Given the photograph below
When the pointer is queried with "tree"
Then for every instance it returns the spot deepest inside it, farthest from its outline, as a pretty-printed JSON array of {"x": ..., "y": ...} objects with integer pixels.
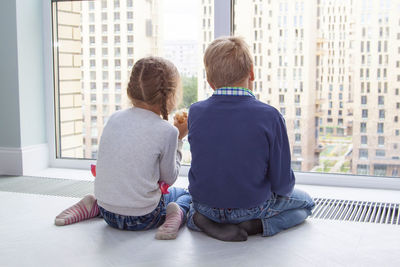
[{"x": 189, "y": 85}]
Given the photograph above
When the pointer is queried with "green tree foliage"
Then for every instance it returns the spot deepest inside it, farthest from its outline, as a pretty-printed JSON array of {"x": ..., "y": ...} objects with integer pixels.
[{"x": 189, "y": 91}]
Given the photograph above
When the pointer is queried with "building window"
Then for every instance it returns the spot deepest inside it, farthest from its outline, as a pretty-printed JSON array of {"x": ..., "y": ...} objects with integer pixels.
[
  {"x": 129, "y": 27},
  {"x": 297, "y": 150},
  {"x": 381, "y": 114},
  {"x": 379, "y": 170},
  {"x": 117, "y": 51},
  {"x": 117, "y": 63},
  {"x": 364, "y": 140},
  {"x": 297, "y": 137},
  {"x": 130, "y": 51},
  {"x": 117, "y": 28},
  {"x": 296, "y": 165},
  {"x": 363, "y": 127},
  {"x": 363, "y": 154},
  {"x": 118, "y": 75},
  {"x": 117, "y": 39},
  {"x": 380, "y": 153},
  {"x": 364, "y": 113},
  {"x": 381, "y": 100},
  {"x": 380, "y": 127},
  {"x": 381, "y": 140},
  {"x": 362, "y": 169},
  {"x": 363, "y": 100}
]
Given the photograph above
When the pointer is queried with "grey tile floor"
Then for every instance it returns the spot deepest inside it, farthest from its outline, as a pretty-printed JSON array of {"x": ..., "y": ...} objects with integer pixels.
[{"x": 28, "y": 237}]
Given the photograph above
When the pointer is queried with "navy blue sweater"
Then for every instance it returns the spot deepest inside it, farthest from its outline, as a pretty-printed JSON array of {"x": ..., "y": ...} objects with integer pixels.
[{"x": 240, "y": 152}]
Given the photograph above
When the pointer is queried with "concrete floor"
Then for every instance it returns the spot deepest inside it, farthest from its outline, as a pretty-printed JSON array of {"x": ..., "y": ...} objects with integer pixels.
[{"x": 29, "y": 238}]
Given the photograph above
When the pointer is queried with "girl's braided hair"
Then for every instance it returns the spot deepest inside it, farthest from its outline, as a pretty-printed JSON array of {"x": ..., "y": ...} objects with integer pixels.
[{"x": 155, "y": 81}]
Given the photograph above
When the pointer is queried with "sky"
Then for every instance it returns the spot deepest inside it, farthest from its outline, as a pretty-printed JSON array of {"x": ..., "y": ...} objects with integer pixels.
[{"x": 181, "y": 19}]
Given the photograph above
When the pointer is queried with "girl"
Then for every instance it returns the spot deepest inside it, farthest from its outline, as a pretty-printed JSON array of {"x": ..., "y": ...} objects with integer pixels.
[{"x": 137, "y": 150}]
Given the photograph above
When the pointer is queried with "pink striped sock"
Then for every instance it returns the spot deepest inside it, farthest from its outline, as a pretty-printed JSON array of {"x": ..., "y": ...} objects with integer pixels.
[
  {"x": 169, "y": 229},
  {"x": 85, "y": 209}
]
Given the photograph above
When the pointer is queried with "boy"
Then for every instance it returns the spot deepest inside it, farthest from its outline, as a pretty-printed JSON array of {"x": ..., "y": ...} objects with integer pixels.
[{"x": 240, "y": 178}]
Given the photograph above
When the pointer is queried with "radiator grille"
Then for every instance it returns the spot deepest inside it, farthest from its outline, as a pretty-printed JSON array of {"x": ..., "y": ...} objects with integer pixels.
[
  {"x": 356, "y": 211},
  {"x": 325, "y": 208}
]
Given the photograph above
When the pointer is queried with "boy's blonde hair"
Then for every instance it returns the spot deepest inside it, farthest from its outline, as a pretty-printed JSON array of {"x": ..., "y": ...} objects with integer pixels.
[
  {"x": 227, "y": 61},
  {"x": 155, "y": 81}
]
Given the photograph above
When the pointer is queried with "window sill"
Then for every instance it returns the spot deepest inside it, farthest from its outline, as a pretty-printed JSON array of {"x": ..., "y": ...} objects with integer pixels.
[{"x": 353, "y": 189}]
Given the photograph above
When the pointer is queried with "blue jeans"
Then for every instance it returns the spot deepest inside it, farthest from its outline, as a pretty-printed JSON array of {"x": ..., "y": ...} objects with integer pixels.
[
  {"x": 154, "y": 218},
  {"x": 276, "y": 214}
]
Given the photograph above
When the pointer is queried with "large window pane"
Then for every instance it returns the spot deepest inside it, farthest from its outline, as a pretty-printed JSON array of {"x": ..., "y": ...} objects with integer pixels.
[
  {"x": 96, "y": 45},
  {"x": 331, "y": 68}
]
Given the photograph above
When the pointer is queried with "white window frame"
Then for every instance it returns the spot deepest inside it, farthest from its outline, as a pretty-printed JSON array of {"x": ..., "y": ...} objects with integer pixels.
[{"x": 223, "y": 12}]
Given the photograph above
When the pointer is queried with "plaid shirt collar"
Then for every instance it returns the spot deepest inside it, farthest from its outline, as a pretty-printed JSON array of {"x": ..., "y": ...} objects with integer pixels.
[{"x": 233, "y": 91}]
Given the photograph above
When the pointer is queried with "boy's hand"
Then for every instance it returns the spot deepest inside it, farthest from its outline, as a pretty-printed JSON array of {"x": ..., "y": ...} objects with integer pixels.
[{"x": 180, "y": 122}]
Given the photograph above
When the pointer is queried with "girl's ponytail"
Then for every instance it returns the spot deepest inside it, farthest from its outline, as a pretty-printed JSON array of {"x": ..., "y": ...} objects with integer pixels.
[{"x": 164, "y": 95}]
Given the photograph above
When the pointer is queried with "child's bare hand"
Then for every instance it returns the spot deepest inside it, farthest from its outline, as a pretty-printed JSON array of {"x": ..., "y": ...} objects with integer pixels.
[{"x": 180, "y": 122}]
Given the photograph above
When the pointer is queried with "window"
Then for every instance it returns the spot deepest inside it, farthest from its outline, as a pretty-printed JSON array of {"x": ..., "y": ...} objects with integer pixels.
[
  {"x": 380, "y": 127},
  {"x": 364, "y": 100},
  {"x": 362, "y": 169},
  {"x": 332, "y": 98},
  {"x": 363, "y": 153},
  {"x": 117, "y": 63},
  {"x": 364, "y": 113},
  {"x": 116, "y": 16},
  {"x": 297, "y": 137},
  {"x": 380, "y": 170},
  {"x": 381, "y": 114},
  {"x": 96, "y": 60},
  {"x": 130, "y": 27},
  {"x": 297, "y": 150},
  {"x": 380, "y": 153},
  {"x": 381, "y": 100},
  {"x": 130, "y": 63},
  {"x": 363, "y": 127},
  {"x": 381, "y": 140},
  {"x": 364, "y": 140}
]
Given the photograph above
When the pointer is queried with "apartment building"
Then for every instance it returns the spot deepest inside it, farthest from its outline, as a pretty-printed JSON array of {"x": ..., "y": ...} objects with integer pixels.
[
  {"x": 332, "y": 69},
  {"x": 128, "y": 31},
  {"x": 282, "y": 38},
  {"x": 376, "y": 137},
  {"x": 184, "y": 54},
  {"x": 206, "y": 37}
]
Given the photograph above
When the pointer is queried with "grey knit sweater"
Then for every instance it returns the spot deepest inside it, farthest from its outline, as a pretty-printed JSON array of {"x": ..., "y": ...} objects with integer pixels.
[{"x": 137, "y": 149}]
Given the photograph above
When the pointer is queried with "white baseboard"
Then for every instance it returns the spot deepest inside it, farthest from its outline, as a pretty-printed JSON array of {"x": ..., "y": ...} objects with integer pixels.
[
  {"x": 10, "y": 161},
  {"x": 19, "y": 161}
]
